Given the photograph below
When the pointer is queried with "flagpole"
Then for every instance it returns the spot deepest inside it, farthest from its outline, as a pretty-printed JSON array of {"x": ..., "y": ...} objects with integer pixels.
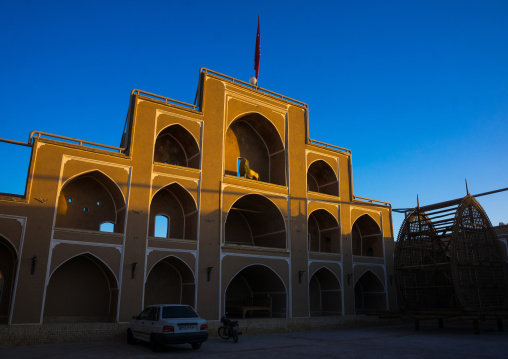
[{"x": 257, "y": 54}]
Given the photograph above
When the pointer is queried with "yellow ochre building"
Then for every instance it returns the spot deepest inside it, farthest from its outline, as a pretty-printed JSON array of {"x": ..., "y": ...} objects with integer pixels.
[{"x": 166, "y": 217}]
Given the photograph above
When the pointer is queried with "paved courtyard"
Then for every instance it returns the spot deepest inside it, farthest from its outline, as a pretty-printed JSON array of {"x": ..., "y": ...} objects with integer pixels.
[{"x": 397, "y": 341}]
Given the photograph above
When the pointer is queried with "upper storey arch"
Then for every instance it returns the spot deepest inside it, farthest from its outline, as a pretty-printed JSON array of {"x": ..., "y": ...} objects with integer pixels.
[
  {"x": 323, "y": 232},
  {"x": 322, "y": 178},
  {"x": 176, "y": 146},
  {"x": 176, "y": 205},
  {"x": 88, "y": 200},
  {"x": 367, "y": 237},
  {"x": 254, "y": 220},
  {"x": 254, "y": 137}
]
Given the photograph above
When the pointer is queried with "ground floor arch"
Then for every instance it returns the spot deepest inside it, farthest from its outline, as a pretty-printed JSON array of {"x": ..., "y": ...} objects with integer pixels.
[
  {"x": 256, "y": 292},
  {"x": 8, "y": 260},
  {"x": 369, "y": 294},
  {"x": 325, "y": 295},
  {"x": 82, "y": 289},
  {"x": 170, "y": 281}
]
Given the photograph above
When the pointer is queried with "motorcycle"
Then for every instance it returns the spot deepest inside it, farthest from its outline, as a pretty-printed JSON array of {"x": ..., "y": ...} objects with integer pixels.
[{"x": 229, "y": 329}]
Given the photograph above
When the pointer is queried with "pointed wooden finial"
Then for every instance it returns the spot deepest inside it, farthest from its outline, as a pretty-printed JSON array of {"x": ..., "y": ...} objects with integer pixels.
[
  {"x": 467, "y": 189},
  {"x": 418, "y": 201}
]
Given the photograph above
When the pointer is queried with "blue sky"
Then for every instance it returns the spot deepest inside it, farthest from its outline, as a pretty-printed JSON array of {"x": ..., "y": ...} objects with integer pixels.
[{"x": 418, "y": 90}]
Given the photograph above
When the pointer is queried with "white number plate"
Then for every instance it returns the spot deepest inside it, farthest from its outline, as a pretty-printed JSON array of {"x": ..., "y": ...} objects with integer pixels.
[{"x": 187, "y": 327}]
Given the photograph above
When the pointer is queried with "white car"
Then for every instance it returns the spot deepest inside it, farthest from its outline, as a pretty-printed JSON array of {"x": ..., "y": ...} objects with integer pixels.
[{"x": 165, "y": 324}]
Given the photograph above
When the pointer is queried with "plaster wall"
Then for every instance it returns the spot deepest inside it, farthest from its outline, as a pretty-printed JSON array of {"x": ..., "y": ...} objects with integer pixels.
[{"x": 233, "y": 121}]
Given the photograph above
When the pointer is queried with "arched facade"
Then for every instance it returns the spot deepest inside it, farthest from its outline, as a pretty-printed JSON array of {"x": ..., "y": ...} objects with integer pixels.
[{"x": 167, "y": 218}]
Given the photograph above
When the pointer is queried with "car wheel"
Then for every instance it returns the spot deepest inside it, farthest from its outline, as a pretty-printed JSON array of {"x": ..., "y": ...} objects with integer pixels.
[
  {"x": 224, "y": 333},
  {"x": 235, "y": 337},
  {"x": 196, "y": 346},
  {"x": 156, "y": 347},
  {"x": 130, "y": 337}
]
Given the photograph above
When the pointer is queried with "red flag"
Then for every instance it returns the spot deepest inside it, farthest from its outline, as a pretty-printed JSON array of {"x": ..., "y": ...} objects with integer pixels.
[{"x": 257, "y": 54}]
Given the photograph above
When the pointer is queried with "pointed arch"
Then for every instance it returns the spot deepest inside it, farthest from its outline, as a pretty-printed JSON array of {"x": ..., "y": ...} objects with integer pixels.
[
  {"x": 323, "y": 232},
  {"x": 178, "y": 205},
  {"x": 325, "y": 295},
  {"x": 175, "y": 145},
  {"x": 255, "y": 220},
  {"x": 367, "y": 237},
  {"x": 170, "y": 280},
  {"x": 322, "y": 178},
  {"x": 369, "y": 293},
  {"x": 256, "y": 291},
  {"x": 89, "y": 284},
  {"x": 256, "y": 138},
  {"x": 88, "y": 200}
]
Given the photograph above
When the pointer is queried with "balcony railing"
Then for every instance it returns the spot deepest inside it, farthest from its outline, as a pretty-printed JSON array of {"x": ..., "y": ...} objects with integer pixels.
[
  {"x": 164, "y": 99},
  {"x": 373, "y": 201},
  {"x": 328, "y": 146},
  {"x": 39, "y": 134}
]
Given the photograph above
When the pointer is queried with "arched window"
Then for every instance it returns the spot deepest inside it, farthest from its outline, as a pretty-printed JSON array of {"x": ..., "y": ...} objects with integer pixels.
[
  {"x": 178, "y": 207},
  {"x": 107, "y": 227},
  {"x": 161, "y": 226},
  {"x": 238, "y": 161}
]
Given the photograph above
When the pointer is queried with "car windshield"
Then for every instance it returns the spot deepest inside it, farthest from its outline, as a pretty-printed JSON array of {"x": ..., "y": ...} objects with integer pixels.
[{"x": 178, "y": 312}]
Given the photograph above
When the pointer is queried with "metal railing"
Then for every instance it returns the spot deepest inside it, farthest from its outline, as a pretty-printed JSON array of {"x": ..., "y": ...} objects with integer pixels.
[
  {"x": 164, "y": 99},
  {"x": 260, "y": 89},
  {"x": 15, "y": 142},
  {"x": 50, "y": 136},
  {"x": 328, "y": 146},
  {"x": 373, "y": 201}
]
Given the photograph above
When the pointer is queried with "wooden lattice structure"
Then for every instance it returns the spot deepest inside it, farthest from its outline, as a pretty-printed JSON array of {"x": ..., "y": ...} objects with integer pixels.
[{"x": 447, "y": 257}]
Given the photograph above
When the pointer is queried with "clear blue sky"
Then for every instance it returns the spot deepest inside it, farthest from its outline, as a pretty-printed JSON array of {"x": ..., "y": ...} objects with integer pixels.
[{"x": 418, "y": 90}]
